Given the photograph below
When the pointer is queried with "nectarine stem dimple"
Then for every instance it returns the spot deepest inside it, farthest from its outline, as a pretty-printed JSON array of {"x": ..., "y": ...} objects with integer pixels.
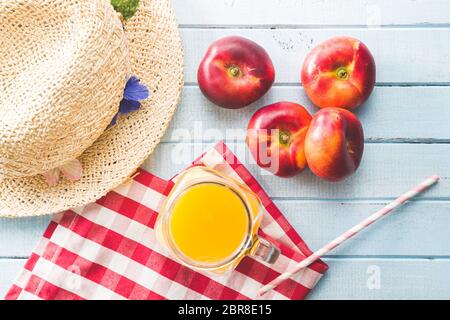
[
  {"x": 342, "y": 73},
  {"x": 234, "y": 71},
  {"x": 284, "y": 137}
]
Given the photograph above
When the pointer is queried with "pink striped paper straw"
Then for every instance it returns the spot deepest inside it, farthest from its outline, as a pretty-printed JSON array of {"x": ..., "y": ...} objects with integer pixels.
[{"x": 350, "y": 233}]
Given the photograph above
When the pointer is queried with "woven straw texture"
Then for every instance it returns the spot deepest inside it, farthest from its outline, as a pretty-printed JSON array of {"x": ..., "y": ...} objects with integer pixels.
[
  {"x": 156, "y": 57},
  {"x": 59, "y": 59}
]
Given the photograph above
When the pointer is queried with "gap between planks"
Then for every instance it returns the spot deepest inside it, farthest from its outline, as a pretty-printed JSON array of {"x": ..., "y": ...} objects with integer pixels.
[
  {"x": 367, "y": 141},
  {"x": 319, "y": 27},
  {"x": 378, "y": 84}
]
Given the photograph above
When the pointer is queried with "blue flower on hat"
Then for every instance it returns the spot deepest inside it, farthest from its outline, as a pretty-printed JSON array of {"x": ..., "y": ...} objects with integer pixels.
[{"x": 134, "y": 93}]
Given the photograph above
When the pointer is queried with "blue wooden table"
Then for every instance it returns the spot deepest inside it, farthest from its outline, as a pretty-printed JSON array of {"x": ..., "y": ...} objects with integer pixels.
[{"x": 406, "y": 123}]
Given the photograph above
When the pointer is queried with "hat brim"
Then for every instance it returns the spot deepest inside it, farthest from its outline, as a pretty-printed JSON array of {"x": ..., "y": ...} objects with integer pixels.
[{"x": 157, "y": 60}]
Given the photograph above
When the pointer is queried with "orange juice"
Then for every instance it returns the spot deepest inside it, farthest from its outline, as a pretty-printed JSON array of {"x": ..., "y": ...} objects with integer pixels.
[{"x": 209, "y": 223}]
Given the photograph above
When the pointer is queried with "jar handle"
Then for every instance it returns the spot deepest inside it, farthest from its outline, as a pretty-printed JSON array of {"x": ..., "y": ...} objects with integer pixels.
[{"x": 264, "y": 251}]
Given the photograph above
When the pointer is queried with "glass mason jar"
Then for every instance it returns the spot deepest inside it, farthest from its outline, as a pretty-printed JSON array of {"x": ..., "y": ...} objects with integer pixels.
[{"x": 209, "y": 222}]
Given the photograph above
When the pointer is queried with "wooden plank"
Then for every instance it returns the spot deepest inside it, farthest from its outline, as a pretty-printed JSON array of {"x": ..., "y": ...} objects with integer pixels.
[
  {"x": 419, "y": 229},
  {"x": 18, "y": 237},
  {"x": 311, "y": 13},
  {"x": 399, "y": 279},
  {"x": 391, "y": 114},
  {"x": 387, "y": 170},
  {"x": 408, "y": 56},
  {"x": 9, "y": 270},
  {"x": 347, "y": 279}
]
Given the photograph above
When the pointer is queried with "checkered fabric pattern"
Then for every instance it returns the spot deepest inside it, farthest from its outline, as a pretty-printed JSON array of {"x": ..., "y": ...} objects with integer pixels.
[{"x": 108, "y": 250}]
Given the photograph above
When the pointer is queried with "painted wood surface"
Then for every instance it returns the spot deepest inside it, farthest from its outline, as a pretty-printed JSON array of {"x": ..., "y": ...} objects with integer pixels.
[
  {"x": 403, "y": 55},
  {"x": 406, "y": 130},
  {"x": 392, "y": 114},
  {"x": 399, "y": 279},
  {"x": 350, "y": 278},
  {"x": 387, "y": 170},
  {"x": 411, "y": 231},
  {"x": 305, "y": 13}
]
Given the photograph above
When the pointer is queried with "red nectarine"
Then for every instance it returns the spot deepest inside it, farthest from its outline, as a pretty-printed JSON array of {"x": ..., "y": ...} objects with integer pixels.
[
  {"x": 339, "y": 73},
  {"x": 235, "y": 72},
  {"x": 275, "y": 137},
  {"x": 334, "y": 144}
]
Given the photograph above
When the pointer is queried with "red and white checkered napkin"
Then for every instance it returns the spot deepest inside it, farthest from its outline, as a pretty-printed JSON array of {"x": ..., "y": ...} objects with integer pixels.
[{"x": 108, "y": 250}]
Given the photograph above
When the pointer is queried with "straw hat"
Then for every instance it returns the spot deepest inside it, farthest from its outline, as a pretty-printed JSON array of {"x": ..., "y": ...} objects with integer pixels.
[{"x": 63, "y": 69}]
